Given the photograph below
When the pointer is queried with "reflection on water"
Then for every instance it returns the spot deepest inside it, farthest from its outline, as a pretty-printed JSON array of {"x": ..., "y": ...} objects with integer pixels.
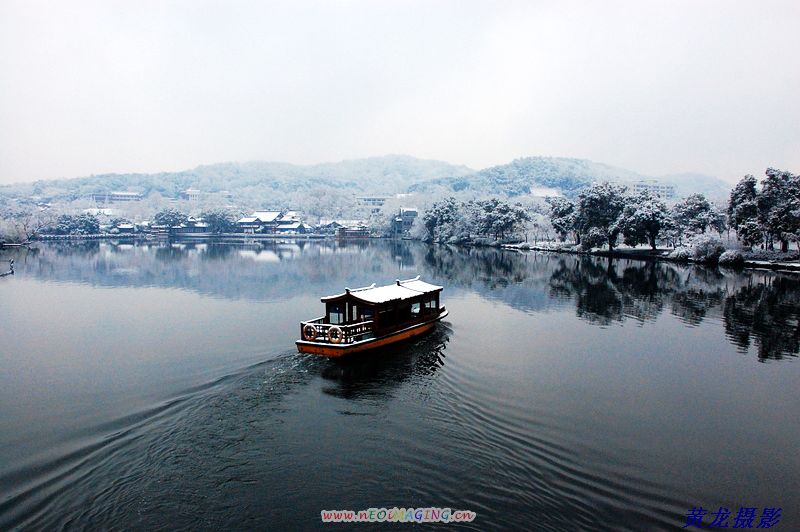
[
  {"x": 765, "y": 314},
  {"x": 156, "y": 385},
  {"x": 365, "y": 375},
  {"x": 758, "y": 308}
]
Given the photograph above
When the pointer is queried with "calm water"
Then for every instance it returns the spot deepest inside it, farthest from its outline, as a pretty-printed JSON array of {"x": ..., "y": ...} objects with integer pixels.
[{"x": 158, "y": 387}]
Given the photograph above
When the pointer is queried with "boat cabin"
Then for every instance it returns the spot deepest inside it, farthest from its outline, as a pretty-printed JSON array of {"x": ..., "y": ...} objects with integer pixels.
[{"x": 370, "y": 312}]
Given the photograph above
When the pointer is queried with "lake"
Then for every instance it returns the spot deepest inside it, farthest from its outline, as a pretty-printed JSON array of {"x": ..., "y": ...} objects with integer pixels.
[{"x": 157, "y": 386}]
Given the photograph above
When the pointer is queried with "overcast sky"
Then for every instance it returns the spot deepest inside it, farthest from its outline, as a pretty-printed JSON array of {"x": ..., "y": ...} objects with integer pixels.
[{"x": 655, "y": 87}]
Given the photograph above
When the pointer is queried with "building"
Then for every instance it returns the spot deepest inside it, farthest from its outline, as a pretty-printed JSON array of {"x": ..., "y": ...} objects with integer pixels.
[
  {"x": 371, "y": 203},
  {"x": 260, "y": 222},
  {"x": 656, "y": 188},
  {"x": 111, "y": 197},
  {"x": 352, "y": 232},
  {"x": 290, "y": 216},
  {"x": 330, "y": 226},
  {"x": 191, "y": 194},
  {"x": 192, "y": 225},
  {"x": 401, "y": 224},
  {"x": 125, "y": 228},
  {"x": 297, "y": 228}
]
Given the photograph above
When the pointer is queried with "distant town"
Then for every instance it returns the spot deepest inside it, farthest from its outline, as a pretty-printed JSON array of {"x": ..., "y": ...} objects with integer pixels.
[{"x": 117, "y": 214}]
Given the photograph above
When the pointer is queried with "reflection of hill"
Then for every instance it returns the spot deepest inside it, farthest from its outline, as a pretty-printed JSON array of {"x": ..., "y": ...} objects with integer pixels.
[{"x": 758, "y": 308}]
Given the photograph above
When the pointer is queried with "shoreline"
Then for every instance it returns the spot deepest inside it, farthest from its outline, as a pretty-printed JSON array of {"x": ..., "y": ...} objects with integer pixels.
[
  {"x": 660, "y": 255},
  {"x": 631, "y": 254}
]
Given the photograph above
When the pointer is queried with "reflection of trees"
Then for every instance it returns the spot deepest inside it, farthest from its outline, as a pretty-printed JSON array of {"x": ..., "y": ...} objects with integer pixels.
[
  {"x": 216, "y": 251},
  {"x": 700, "y": 292},
  {"x": 766, "y": 314},
  {"x": 759, "y": 307},
  {"x": 80, "y": 247},
  {"x": 377, "y": 374},
  {"x": 589, "y": 283},
  {"x": 644, "y": 286},
  {"x": 171, "y": 252},
  {"x": 490, "y": 267},
  {"x": 603, "y": 294},
  {"x": 691, "y": 306}
]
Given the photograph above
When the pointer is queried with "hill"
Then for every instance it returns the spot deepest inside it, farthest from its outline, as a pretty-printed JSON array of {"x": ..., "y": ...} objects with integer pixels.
[
  {"x": 375, "y": 175},
  {"x": 274, "y": 183},
  {"x": 524, "y": 176},
  {"x": 546, "y": 175}
]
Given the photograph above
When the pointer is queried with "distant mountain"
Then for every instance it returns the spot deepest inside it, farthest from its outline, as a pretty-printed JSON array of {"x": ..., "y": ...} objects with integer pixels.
[
  {"x": 285, "y": 183},
  {"x": 712, "y": 187},
  {"x": 563, "y": 175},
  {"x": 524, "y": 176},
  {"x": 388, "y": 174}
]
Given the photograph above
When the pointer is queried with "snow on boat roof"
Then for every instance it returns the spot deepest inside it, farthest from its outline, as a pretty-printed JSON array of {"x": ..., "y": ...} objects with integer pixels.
[{"x": 400, "y": 290}]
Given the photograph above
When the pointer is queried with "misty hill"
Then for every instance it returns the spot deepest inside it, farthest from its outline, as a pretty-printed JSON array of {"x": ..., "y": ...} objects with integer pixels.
[
  {"x": 387, "y": 174},
  {"x": 285, "y": 183},
  {"x": 567, "y": 175},
  {"x": 522, "y": 176},
  {"x": 712, "y": 187}
]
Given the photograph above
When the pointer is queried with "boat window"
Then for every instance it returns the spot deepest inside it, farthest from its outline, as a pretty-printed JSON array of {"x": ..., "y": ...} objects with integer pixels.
[
  {"x": 430, "y": 303},
  {"x": 336, "y": 313},
  {"x": 415, "y": 309},
  {"x": 366, "y": 314}
]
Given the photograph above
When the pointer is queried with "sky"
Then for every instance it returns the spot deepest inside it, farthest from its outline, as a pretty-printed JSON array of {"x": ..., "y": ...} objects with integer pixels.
[{"x": 658, "y": 87}]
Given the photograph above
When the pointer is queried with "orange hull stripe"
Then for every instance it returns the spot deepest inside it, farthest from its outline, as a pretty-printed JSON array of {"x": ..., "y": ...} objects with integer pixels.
[{"x": 332, "y": 351}]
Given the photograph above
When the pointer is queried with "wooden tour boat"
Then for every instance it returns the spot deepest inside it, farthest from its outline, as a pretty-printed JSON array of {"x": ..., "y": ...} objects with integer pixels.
[{"x": 365, "y": 318}]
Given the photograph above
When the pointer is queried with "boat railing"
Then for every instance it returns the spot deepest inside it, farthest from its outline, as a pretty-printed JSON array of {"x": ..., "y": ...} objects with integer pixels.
[{"x": 317, "y": 331}]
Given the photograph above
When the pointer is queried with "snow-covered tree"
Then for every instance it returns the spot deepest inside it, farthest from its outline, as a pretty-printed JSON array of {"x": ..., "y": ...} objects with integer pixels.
[
  {"x": 219, "y": 220},
  {"x": 779, "y": 207},
  {"x": 169, "y": 218},
  {"x": 743, "y": 211},
  {"x": 563, "y": 214},
  {"x": 599, "y": 208},
  {"x": 498, "y": 218},
  {"x": 440, "y": 219},
  {"x": 695, "y": 215},
  {"x": 643, "y": 219}
]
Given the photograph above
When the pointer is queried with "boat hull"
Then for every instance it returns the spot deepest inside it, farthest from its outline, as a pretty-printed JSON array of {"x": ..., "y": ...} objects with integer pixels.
[{"x": 338, "y": 350}]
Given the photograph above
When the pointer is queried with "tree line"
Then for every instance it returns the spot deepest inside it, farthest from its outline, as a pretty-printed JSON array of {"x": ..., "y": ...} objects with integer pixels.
[
  {"x": 603, "y": 214},
  {"x": 449, "y": 220}
]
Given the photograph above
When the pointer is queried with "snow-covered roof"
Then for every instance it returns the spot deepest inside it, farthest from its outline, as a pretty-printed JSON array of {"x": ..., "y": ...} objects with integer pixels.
[
  {"x": 343, "y": 223},
  {"x": 247, "y": 220},
  {"x": 383, "y": 294},
  {"x": 290, "y": 216},
  {"x": 266, "y": 216},
  {"x": 291, "y": 225}
]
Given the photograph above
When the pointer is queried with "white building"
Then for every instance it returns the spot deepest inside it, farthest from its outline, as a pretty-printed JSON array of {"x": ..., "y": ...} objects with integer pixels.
[{"x": 662, "y": 190}]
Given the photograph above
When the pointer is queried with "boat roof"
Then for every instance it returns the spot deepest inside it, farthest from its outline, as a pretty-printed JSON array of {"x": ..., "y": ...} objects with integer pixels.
[{"x": 408, "y": 289}]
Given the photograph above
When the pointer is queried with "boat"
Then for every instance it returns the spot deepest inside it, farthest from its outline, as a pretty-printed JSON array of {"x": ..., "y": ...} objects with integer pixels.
[{"x": 366, "y": 318}]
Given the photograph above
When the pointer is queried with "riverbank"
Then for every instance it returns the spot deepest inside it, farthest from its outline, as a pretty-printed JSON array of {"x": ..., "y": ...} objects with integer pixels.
[
  {"x": 662, "y": 254},
  {"x": 184, "y": 236}
]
